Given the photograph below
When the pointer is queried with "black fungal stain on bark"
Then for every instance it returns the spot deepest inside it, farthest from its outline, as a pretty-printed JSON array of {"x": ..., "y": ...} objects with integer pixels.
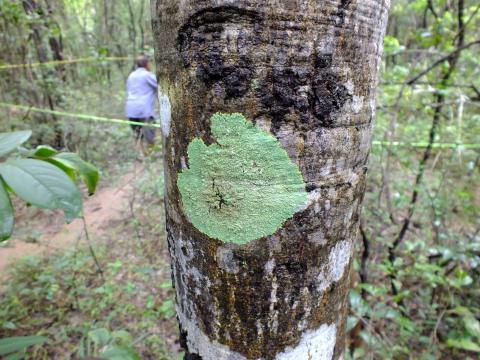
[
  {"x": 311, "y": 92},
  {"x": 229, "y": 51},
  {"x": 345, "y": 3},
  {"x": 342, "y": 9},
  {"x": 213, "y": 42},
  {"x": 329, "y": 95}
]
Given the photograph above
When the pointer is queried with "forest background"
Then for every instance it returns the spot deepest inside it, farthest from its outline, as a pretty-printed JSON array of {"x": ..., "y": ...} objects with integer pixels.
[{"x": 416, "y": 288}]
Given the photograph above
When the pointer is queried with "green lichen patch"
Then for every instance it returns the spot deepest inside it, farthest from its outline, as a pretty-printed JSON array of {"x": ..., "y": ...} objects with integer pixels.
[{"x": 242, "y": 187}]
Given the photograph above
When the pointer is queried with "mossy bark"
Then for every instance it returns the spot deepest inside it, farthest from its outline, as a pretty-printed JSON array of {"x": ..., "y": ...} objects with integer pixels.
[{"x": 306, "y": 71}]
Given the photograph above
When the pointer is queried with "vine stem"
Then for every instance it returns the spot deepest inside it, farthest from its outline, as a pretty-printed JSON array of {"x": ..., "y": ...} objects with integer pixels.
[{"x": 90, "y": 248}]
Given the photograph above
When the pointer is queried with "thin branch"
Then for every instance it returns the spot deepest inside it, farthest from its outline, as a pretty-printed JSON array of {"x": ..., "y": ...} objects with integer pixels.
[
  {"x": 90, "y": 248},
  {"x": 427, "y": 83},
  {"x": 472, "y": 15},
  {"x": 433, "y": 335},
  {"x": 432, "y": 9},
  {"x": 474, "y": 88},
  {"x": 447, "y": 57}
]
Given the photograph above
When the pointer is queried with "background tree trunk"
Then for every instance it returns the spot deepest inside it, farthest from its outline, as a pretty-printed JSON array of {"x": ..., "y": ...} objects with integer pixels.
[
  {"x": 305, "y": 71},
  {"x": 40, "y": 30}
]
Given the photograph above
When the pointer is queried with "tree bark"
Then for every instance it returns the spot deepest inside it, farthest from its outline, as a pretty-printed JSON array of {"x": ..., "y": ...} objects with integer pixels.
[
  {"x": 306, "y": 72},
  {"x": 51, "y": 98}
]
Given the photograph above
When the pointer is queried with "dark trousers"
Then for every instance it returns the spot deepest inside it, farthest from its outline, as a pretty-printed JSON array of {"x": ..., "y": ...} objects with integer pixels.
[{"x": 144, "y": 133}]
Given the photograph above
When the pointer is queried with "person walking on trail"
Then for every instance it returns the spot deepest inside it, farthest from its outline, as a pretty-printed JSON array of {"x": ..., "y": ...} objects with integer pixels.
[{"x": 141, "y": 97}]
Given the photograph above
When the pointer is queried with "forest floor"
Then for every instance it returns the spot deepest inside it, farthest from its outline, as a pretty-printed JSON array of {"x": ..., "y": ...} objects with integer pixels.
[
  {"x": 107, "y": 206},
  {"x": 52, "y": 286}
]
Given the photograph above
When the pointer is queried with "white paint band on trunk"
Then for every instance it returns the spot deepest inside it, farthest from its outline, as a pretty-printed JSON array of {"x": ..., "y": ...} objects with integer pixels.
[
  {"x": 165, "y": 112},
  {"x": 333, "y": 271},
  {"x": 315, "y": 345}
]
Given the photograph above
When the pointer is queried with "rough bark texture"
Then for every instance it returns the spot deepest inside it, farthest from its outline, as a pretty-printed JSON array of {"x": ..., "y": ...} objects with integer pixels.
[{"x": 304, "y": 70}]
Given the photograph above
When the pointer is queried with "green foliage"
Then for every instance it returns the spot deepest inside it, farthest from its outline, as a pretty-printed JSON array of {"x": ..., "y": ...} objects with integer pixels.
[
  {"x": 72, "y": 164},
  {"x": 63, "y": 298},
  {"x": 118, "y": 318},
  {"x": 434, "y": 315},
  {"x": 437, "y": 267},
  {"x": 392, "y": 45},
  {"x": 14, "y": 347},
  {"x": 10, "y": 141},
  {"x": 44, "y": 179},
  {"x": 245, "y": 182},
  {"x": 43, "y": 185},
  {"x": 445, "y": 320},
  {"x": 116, "y": 345},
  {"x": 7, "y": 219}
]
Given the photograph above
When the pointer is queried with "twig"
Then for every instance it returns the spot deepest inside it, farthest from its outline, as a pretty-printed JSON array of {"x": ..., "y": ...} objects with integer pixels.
[
  {"x": 433, "y": 336},
  {"x": 447, "y": 57},
  {"x": 477, "y": 92},
  {"x": 27, "y": 114},
  {"x": 90, "y": 248},
  {"x": 472, "y": 15},
  {"x": 432, "y": 9}
]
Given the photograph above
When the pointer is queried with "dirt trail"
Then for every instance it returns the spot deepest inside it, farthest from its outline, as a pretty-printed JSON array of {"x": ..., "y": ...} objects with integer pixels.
[{"x": 108, "y": 204}]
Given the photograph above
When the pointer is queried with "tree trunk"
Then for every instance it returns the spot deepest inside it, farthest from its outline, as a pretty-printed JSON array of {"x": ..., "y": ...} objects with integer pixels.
[
  {"x": 51, "y": 97},
  {"x": 305, "y": 71}
]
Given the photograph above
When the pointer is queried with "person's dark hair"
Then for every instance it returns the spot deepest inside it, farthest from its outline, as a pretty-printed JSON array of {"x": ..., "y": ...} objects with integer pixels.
[{"x": 141, "y": 61}]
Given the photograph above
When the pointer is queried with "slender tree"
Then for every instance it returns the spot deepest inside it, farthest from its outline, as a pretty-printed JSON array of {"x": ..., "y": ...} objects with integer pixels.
[
  {"x": 39, "y": 31},
  {"x": 263, "y": 208}
]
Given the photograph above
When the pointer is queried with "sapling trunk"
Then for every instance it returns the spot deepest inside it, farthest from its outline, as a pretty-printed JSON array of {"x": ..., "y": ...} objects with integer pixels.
[{"x": 263, "y": 208}]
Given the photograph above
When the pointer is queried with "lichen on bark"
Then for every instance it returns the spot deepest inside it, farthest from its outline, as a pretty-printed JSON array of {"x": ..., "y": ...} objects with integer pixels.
[{"x": 243, "y": 186}]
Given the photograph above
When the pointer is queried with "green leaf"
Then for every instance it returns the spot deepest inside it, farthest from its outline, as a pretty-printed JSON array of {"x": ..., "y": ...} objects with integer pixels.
[
  {"x": 42, "y": 184},
  {"x": 122, "y": 335},
  {"x": 465, "y": 344},
  {"x": 71, "y": 173},
  {"x": 358, "y": 305},
  {"x": 83, "y": 348},
  {"x": 11, "y": 140},
  {"x": 120, "y": 353},
  {"x": 245, "y": 182},
  {"x": 44, "y": 151},
  {"x": 7, "y": 219},
  {"x": 167, "y": 309},
  {"x": 16, "y": 356},
  {"x": 100, "y": 337},
  {"x": 17, "y": 343},
  {"x": 351, "y": 322},
  {"x": 166, "y": 285},
  {"x": 472, "y": 325},
  {"x": 87, "y": 171}
]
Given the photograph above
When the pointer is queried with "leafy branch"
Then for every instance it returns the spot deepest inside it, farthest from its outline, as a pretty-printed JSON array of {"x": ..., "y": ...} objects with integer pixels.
[{"x": 43, "y": 177}]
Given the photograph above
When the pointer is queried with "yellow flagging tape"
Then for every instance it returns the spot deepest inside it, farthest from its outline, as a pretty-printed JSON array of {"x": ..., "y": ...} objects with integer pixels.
[
  {"x": 62, "y": 62},
  {"x": 422, "y": 144},
  {"x": 78, "y": 116}
]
